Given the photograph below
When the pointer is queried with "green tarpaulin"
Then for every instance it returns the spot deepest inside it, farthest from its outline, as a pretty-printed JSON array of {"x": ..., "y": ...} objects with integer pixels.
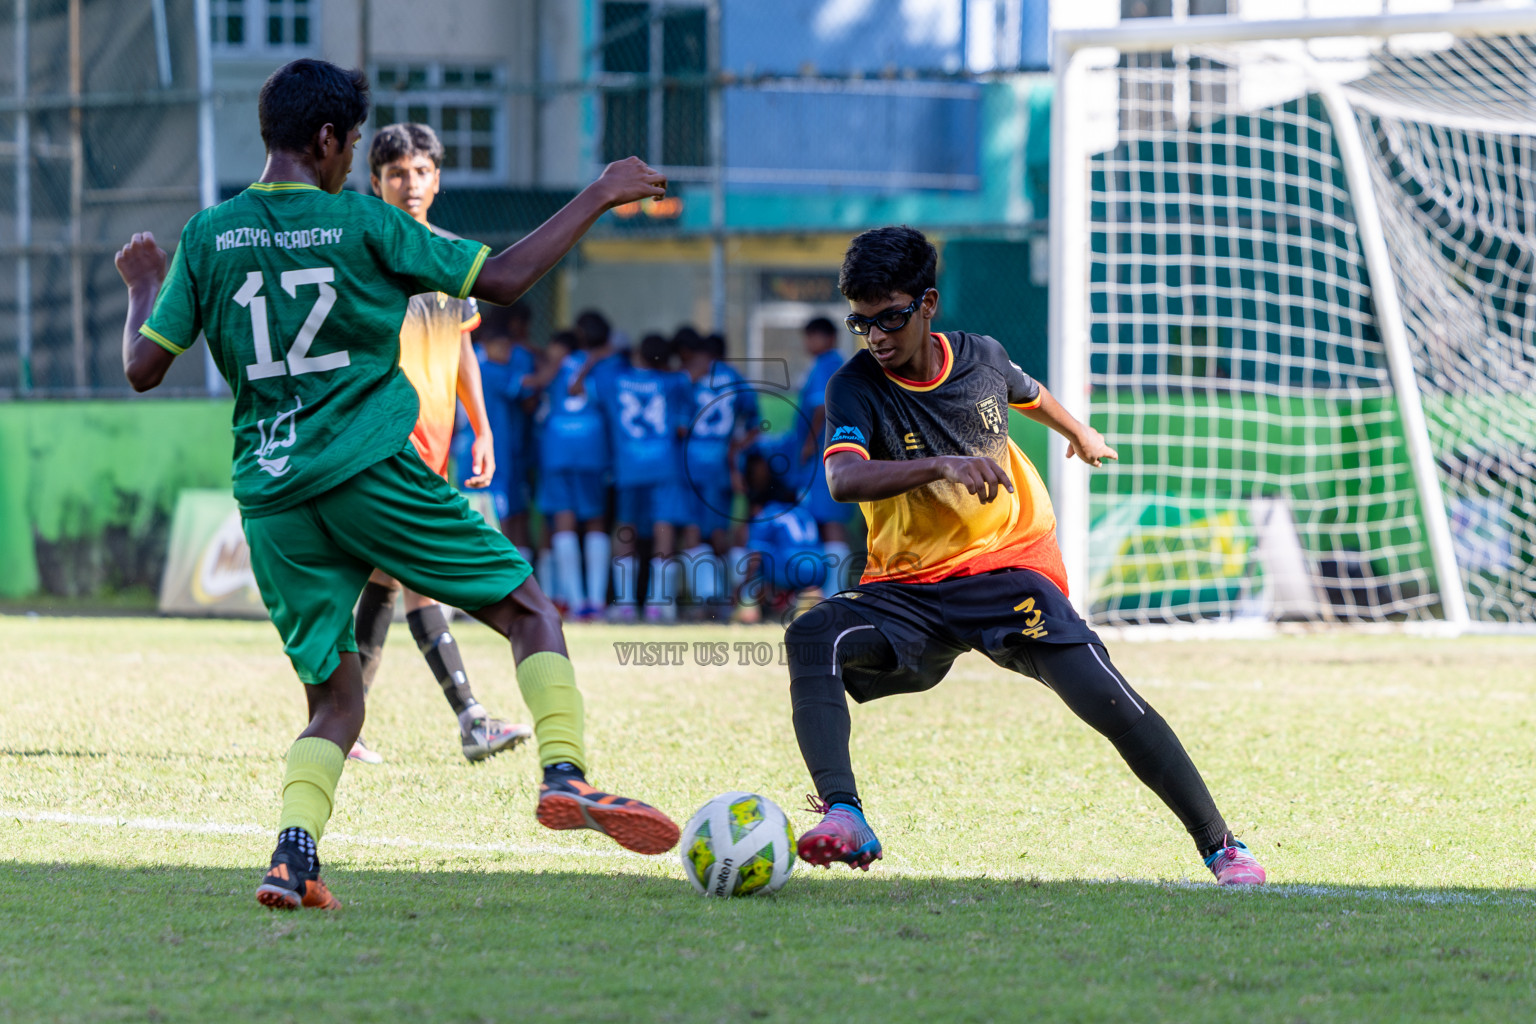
[{"x": 87, "y": 489}]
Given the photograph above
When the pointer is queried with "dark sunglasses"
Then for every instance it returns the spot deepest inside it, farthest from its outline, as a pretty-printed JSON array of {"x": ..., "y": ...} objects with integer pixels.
[{"x": 890, "y": 322}]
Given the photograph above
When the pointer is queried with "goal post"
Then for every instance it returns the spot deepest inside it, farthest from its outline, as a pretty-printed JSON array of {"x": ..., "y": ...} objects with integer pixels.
[{"x": 1294, "y": 282}]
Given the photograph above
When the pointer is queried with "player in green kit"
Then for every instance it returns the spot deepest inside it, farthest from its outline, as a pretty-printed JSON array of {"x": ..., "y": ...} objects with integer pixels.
[{"x": 300, "y": 289}]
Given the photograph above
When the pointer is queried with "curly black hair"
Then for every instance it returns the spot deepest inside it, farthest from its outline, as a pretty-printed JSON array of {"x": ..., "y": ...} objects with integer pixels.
[
  {"x": 888, "y": 261},
  {"x": 397, "y": 141},
  {"x": 304, "y": 95}
]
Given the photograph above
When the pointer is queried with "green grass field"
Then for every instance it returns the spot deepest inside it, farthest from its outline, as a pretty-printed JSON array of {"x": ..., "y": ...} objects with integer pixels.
[{"x": 1384, "y": 781}]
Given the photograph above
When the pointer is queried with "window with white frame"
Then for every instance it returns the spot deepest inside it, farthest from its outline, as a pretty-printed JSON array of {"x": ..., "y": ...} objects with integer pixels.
[
  {"x": 260, "y": 26},
  {"x": 461, "y": 102}
]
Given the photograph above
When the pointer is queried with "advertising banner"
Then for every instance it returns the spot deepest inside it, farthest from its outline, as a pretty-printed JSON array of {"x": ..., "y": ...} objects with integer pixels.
[{"x": 207, "y": 565}]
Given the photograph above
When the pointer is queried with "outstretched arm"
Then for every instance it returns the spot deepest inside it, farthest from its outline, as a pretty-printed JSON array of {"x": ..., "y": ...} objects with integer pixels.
[
  {"x": 506, "y": 276},
  {"x": 141, "y": 263},
  {"x": 482, "y": 455},
  {"x": 1082, "y": 440},
  {"x": 853, "y": 478}
]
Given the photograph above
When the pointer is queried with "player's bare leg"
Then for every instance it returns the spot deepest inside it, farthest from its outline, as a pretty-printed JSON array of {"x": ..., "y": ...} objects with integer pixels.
[
  {"x": 530, "y": 621},
  {"x": 375, "y": 612},
  {"x": 336, "y": 711}
]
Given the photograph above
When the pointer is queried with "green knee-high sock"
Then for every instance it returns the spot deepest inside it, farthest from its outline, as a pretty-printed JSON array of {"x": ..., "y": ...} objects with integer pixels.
[
  {"x": 548, "y": 683},
  {"x": 309, "y": 784}
]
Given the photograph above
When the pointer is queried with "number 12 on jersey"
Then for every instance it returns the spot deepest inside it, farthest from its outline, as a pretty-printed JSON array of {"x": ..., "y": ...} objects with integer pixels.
[{"x": 299, "y": 360}]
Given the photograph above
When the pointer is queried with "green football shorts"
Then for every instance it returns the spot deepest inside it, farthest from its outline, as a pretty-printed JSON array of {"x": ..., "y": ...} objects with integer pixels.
[{"x": 311, "y": 561}]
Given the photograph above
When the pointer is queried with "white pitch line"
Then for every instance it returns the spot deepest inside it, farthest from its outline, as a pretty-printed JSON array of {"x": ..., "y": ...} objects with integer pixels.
[{"x": 226, "y": 829}]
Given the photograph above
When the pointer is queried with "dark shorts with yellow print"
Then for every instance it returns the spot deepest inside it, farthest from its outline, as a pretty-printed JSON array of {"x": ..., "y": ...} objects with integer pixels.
[
  {"x": 311, "y": 561},
  {"x": 929, "y": 625}
]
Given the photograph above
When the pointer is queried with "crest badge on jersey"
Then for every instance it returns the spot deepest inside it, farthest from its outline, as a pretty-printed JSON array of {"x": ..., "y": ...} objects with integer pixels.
[
  {"x": 992, "y": 415},
  {"x": 266, "y": 459}
]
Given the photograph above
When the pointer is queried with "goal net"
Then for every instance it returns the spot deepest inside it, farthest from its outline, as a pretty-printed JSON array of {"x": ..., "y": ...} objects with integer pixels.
[{"x": 1294, "y": 285}]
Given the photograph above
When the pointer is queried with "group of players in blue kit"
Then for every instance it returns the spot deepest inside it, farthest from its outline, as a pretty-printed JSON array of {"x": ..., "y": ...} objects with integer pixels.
[{"x": 656, "y": 447}]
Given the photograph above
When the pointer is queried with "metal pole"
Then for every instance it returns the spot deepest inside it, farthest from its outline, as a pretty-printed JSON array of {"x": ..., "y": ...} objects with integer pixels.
[
  {"x": 655, "y": 115},
  {"x": 207, "y": 179},
  {"x": 1068, "y": 213},
  {"x": 965, "y": 40},
  {"x": 365, "y": 63},
  {"x": 364, "y": 26},
  {"x": 536, "y": 104},
  {"x": 717, "y": 171},
  {"x": 1068, "y": 322},
  {"x": 1144, "y": 35},
  {"x": 23, "y": 206},
  {"x": 1394, "y": 339},
  {"x": 162, "y": 43},
  {"x": 76, "y": 200}
]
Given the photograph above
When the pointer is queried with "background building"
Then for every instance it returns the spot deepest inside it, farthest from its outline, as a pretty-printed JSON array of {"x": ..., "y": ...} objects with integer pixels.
[
  {"x": 785, "y": 129},
  {"x": 817, "y": 118}
]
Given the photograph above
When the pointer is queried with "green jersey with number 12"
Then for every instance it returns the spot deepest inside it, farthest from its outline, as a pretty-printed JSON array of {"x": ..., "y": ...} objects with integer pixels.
[{"x": 301, "y": 294}]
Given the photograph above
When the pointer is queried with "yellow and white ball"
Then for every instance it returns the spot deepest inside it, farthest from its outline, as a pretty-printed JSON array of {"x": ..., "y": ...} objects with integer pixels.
[{"x": 738, "y": 844}]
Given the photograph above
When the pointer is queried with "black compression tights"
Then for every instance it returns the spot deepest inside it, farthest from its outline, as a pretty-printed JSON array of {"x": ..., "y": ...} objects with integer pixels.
[
  {"x": 1083, "y": 676},
  {"x": 831, "y": 636},
  {"x": 819, "y": 644}
]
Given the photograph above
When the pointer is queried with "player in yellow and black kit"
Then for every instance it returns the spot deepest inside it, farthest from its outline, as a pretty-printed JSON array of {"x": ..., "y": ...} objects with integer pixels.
[{"x": 962, "y": 554}]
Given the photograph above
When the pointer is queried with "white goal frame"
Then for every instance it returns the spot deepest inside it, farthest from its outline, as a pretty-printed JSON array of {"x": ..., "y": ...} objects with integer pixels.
[{"x": 1074, "y": 52}]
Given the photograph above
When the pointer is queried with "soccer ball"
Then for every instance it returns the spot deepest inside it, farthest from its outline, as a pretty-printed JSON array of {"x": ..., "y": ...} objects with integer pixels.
[{"x": 738, "y": 843}]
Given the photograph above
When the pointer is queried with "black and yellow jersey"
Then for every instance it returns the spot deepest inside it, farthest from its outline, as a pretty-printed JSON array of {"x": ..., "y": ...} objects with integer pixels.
[{"x": 941, "y": 530}]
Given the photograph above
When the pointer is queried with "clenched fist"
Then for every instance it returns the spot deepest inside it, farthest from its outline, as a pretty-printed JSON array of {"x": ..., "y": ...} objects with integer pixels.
[
  {"x": 141, "y": 261},
  {"x": 629, "y": 180}
]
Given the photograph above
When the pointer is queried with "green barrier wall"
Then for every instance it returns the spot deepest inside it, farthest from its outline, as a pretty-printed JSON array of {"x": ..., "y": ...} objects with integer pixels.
[
  {"x": 1343, "y": 457},
  {"x": 87, "y": 489},
  {"x": 1339, "y": 461}
]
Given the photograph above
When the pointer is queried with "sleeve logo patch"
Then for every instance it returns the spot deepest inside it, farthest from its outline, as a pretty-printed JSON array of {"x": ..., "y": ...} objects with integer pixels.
[{"x": 853, "y": 434}]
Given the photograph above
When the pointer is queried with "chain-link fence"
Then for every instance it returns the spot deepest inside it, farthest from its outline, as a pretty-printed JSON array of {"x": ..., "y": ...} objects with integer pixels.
[
  {"x": 114, "y": 119},
  {"x": 98, "y": 124},
  {"x": 118, "y": 116}
]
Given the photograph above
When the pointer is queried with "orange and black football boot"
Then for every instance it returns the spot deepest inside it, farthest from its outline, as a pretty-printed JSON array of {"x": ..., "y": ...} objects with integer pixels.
[
  {"x": 291, "y": 884},
  {"x": 567, "y": 801}
]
